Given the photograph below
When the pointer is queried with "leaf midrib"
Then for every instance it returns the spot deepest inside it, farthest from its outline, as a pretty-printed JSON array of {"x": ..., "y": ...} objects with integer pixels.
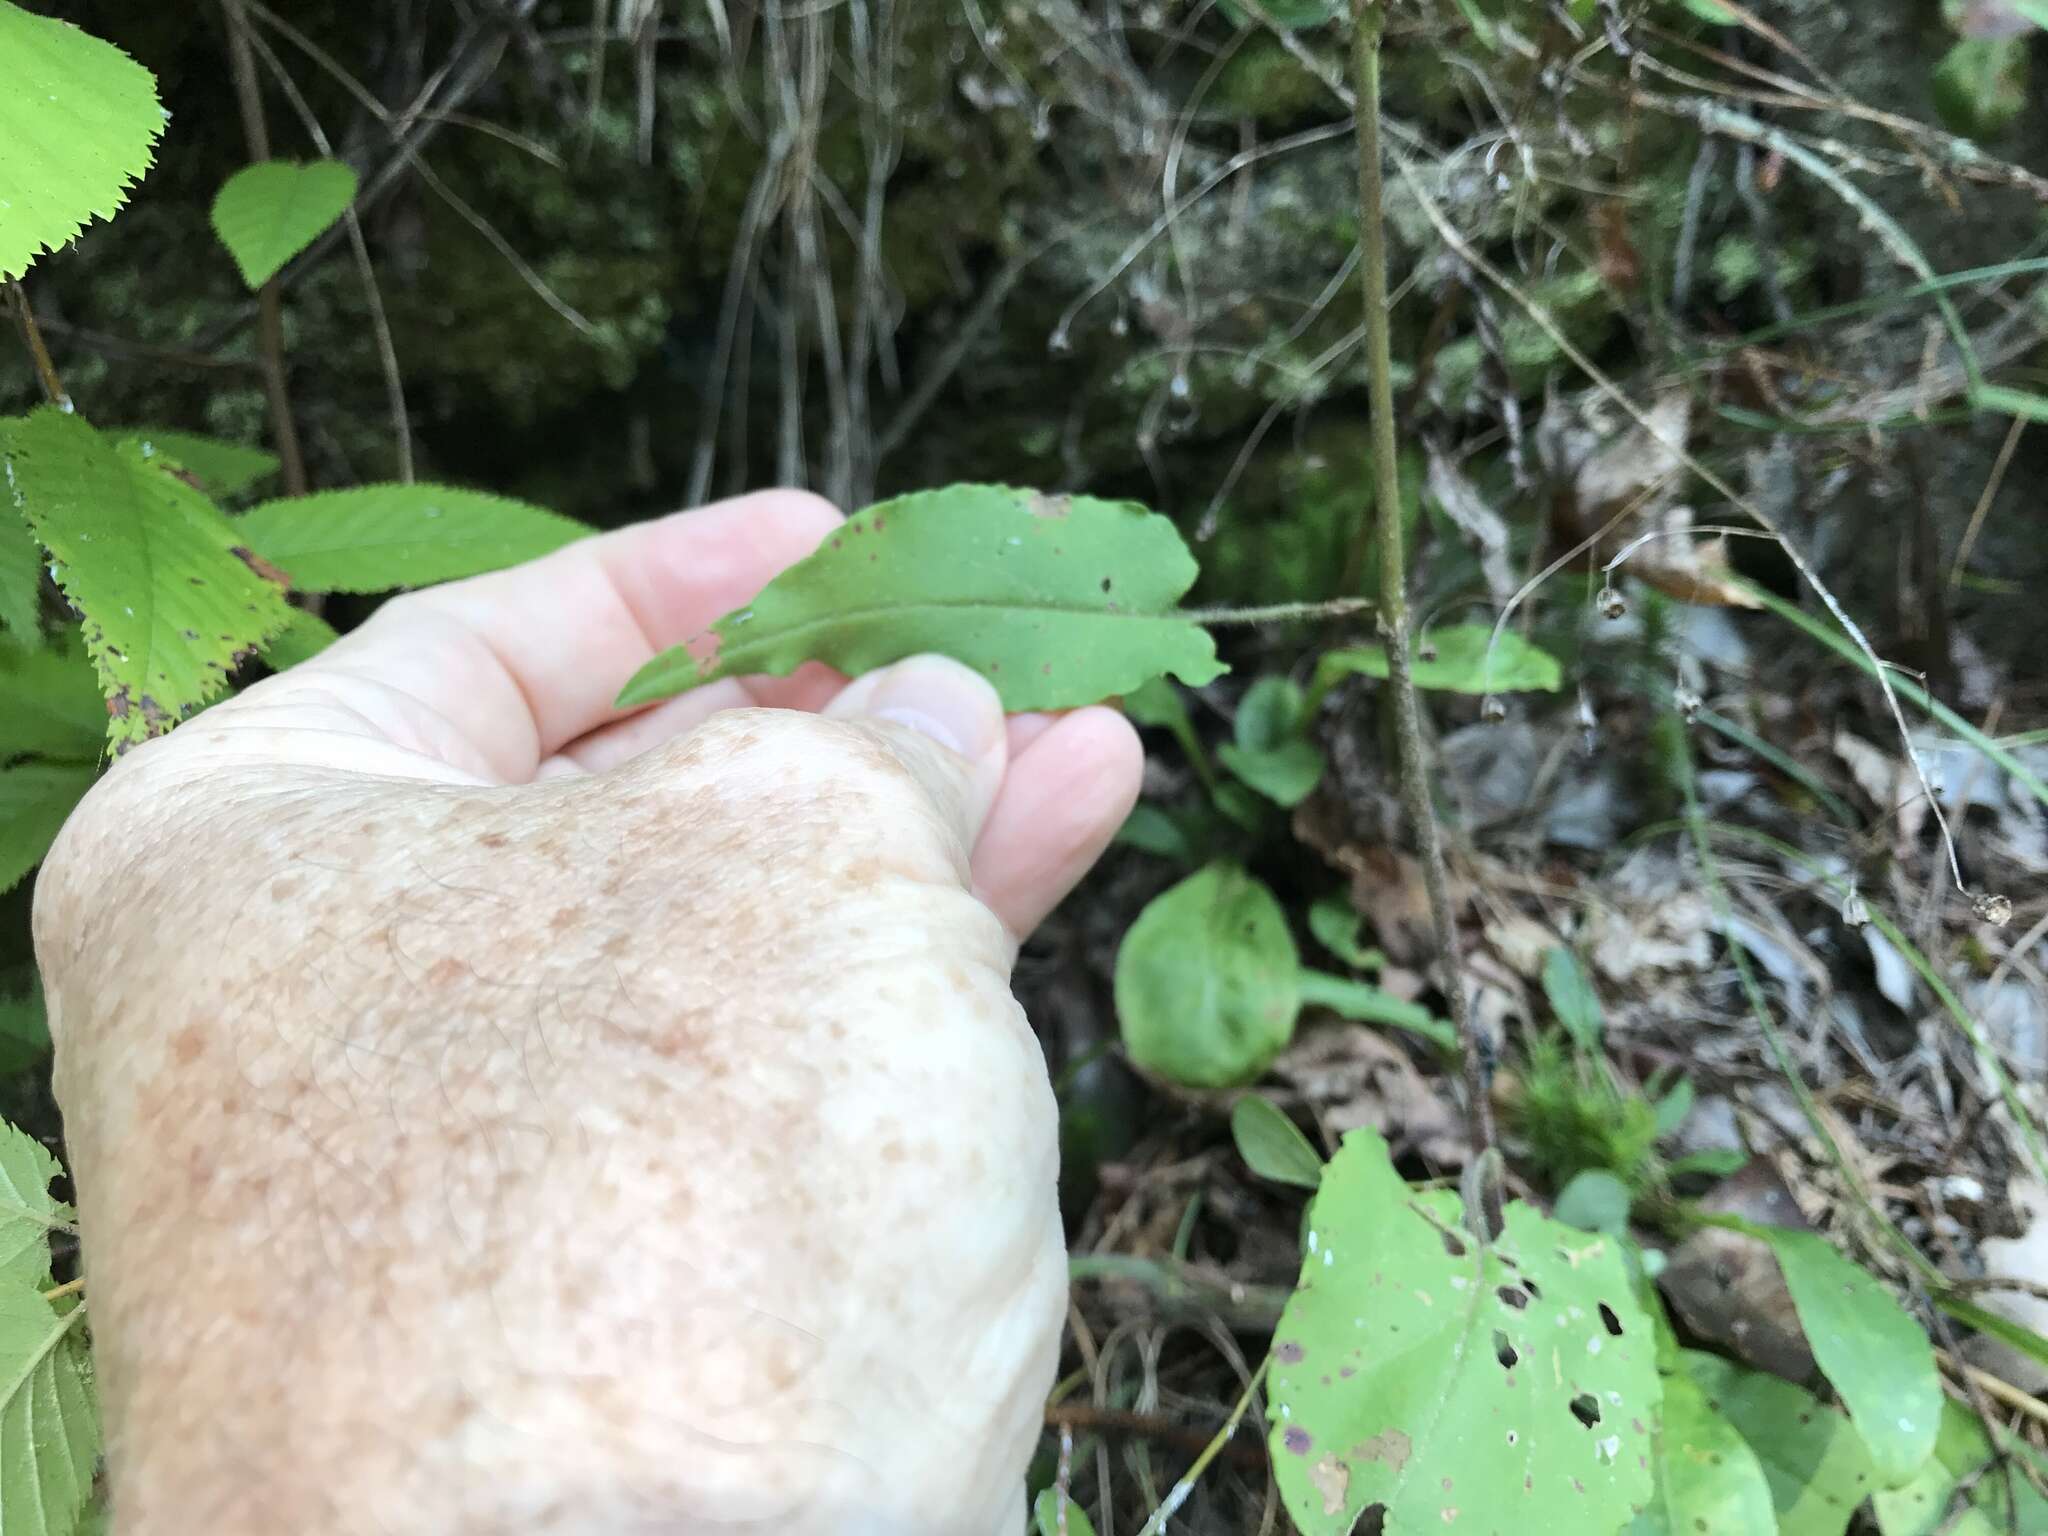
[{"x": 844, "y": 616}]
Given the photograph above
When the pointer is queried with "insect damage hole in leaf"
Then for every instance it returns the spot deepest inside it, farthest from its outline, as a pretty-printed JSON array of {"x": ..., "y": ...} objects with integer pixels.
[
  {"x": 1435, "y": 1395},
  {"x": 1005, "y": 581}
]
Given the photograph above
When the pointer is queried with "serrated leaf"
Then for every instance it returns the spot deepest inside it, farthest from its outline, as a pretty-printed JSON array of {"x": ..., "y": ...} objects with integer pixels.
[
  {"x": 78, "y": 118},
  {"x": 305, "y": 637},
  {"x": 375, "y": 537},
  {"x": 1818, "y": 1470},
  {"x": 28, "y": 1212},
  {"x": 1572, "y": 997},
  {"x": 1452, "y": 1383},
  {"x": 1272, "y": 1145},
  {"x": 1873, "y": 1354},
  {"x": 21, "y": 573},
  {"x": 169, "y": 603},
  {"x": 34, "y": 800},
  {"x": 1709, "y": 1482},
  {"x": 1207, "y": 983},
  {"x": 1056, "y": 601},
  {"x": 1050, "y": 1511},
  {"x": 267, "y": 213},
  {"x": 1594, "y": 1200},
  {"x": 222, "y": 468},
  {"x": 1454, "y": 660},
  {"x": 49, "y": 1421},
  {"x": 51, "y": 703}
]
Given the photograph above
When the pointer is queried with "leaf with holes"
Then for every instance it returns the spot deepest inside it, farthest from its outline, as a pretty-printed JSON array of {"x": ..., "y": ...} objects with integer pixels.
[
  {"x": 78, "y": 120},
  {"x": 1438, "y": 1382},
  {"x": 1709, "y": 1482},
  {"x": 1454, "y": 660},
  {"x": 1272, "y": 1145},
  {"x": 170, "y": 602},
  {"x": 49, "y": 1422},
  {"x": 265, "y": 214},
  {"x": 28, "y": 1214},
  {"x": 1818, "y": 1470},
  {"x": 34, "y": 800},
  {"x": 221, "y": 468},
  {"x": 1057, "y": 601},
  {"x": 1873, "y": 1354},
  {"x": 375, "y": 537},
  {"x": 1207, "y": 980}
]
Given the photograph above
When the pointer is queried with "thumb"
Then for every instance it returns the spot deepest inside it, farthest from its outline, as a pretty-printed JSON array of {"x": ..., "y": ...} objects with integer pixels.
[{"x": 945, "y": 723}]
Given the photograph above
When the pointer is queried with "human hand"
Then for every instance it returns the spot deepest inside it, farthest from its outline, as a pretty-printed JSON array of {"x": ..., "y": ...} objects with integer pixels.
[{"x": 491, "y": 1114}]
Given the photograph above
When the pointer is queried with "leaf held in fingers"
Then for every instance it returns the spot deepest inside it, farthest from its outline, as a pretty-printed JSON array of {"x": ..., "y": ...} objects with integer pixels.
[
  {"x": 171, "y": 602},
  {"x": 49, "y": 1420},
  {"x": 1873, "y": 1354},
  {"x": 1056, "y": 601},
  {"x": 1272, "y": 1145},
  {"x": 1455, "y": 1384},
  {"x": 1454, "y": 660},
  {"x": 1207, "y": 982},
  {"x": 266, "y": 214},
  {"x": 78, "y": 120},
  {"x": 372, "y": 538}
]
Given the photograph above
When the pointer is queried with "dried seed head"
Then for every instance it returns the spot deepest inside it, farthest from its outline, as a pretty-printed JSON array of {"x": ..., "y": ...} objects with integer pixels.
[
  {"x": 1688, "y": 703},
  {"x": 1855, "y": 910},
  {"x": 1059, "y": 343},
  {"x": 1425, "y": 651},
  {"x": 1992, "y": 908},
  {"x": 1493, "y": 711},
  {"x": 1612, "y": 604}
]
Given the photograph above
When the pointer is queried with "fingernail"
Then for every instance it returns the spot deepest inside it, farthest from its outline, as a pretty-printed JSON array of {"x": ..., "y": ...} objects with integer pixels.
[{"x": 936, "y": 697}]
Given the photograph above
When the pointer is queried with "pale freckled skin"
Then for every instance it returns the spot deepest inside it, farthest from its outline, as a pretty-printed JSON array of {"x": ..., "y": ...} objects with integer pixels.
[{"x": 537, "y": 1138}]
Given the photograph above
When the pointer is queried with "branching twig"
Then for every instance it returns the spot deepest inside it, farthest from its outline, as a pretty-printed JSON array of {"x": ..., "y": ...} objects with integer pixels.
[{"x": 1393, "y": 606}]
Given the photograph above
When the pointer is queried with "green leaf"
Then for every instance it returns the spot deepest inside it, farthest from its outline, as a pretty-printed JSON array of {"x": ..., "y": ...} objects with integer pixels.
[
  {"x": 1207, "y": 983},
  {"x": 1595, "y": 1201},
  {"x": 1572, "y": 997},
  {"x": 1873, "y": 1354},
  {"x": 267, "y": 213},
  {"x": 1458, "y": 1385},
  {"x": 223, "y": 468},
  {"x": 34, "y": 800},
  {"x": 24, "y": 1032},
  {"x": 1709, "y": 10},
  {"x": 1454, "y": 660},
  {"x": 77, "y": 119},
  {"x": 1046, "y": 1516},
  {"x": 51, "y": 704},
  {"x": 1373, "y": 1005},
  {"x": 1675, "y": 1106},
  {"x": 1980, "y": 85},
  {"x": 1817, "y": 1468},
  {"x": 376, "y": 537},
  {"x": 170, "y": 604},
  {"x": 1272, "y": 1145},
  {"x": 28, "y": 1214},
  {"x": 2018, "y": 1335},
  {"x": 1271, "y": 754},
  {"x": 1287, "y": 15},
  {"x": 1056, "y": 602},
  {"x": 1337, "y": 927},
  {"x": 1922, "y": 1506},
  {"x": 21, "y": 574},
  {"x": 1709, "y": 1482},
  {"x": 49, "y": 1422},
  {"x": 1150, "y": 829},
  {"x": 305, "y": 637}
]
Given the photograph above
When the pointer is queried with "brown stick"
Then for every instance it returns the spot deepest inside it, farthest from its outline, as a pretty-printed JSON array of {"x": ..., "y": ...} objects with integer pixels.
[
  {"x": 1086, "y": 1417},
  {"x": 270, "y": 307},
  {"x": 46, "y": 371}
]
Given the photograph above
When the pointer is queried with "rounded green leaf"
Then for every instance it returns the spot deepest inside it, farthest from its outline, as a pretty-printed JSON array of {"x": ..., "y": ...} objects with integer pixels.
[
  {"x": 1272, "y": 1145},
  {"x": 269, "y": 212},
  {"x": 1873, "y": 1354},
  {"x": 1052, "y": 1515},
  {"x": 1207, "y": 982},
  {"x": 1980, "y": 85},
  {"x": 1057, "y": 601},
  {"x": 78, "y": 118},
  {"x": 1818, "y": 1470},
  {"x": 376, "y": 537},
  {"x": 1454, "y": 660},
  {"x": 1594, "y": 1201},
  {"x": 1452, "y": 1384},
  {"x": 1709, "y": 1482}
]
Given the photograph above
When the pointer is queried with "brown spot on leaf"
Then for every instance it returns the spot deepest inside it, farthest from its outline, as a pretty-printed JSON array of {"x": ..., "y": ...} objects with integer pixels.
[
  {"x": 1297, "y": 1439},
  {"x": 1287, "y": 1352},
  {"x": 1391, "y": 1446},
  {"x": 262, "y": 567},
  {"x": 1332, "y": 1479}
]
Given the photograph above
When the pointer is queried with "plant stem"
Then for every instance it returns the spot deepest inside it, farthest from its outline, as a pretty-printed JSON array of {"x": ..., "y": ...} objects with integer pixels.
[
  {"x": 269, "y": 306},
  {"x": 46, "y": 370},
  {"x": 1393, "y": 604},
  {"x": 1274, "y": 613},
  {"x": 1178, "y": 1494}
]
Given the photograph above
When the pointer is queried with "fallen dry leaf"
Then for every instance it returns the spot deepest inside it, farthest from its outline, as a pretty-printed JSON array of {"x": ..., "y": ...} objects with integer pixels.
[
  {"x": 1727, "y": 1286},
  {"x": 1352, "y": 1076},
  {"x": 1686, "y": 567}
]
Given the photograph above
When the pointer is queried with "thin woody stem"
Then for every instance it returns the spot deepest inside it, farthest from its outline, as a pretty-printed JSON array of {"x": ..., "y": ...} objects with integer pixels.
[
  {"x": 1393, "y": 571},
  {"x": 46, "y": 371}
]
